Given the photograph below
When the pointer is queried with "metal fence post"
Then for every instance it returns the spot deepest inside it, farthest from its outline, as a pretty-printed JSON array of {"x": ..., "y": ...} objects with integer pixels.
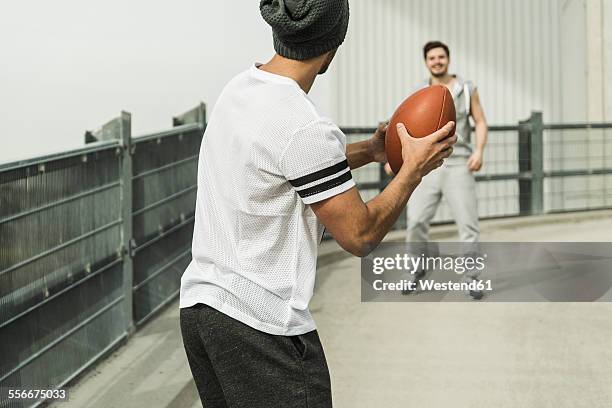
[
  {"x": 524, "y": 167},
  {"x": 195, "y": 115},
  {"x": 121, "y": 129},
  {"x": 531, "y": 172},
  {"x": 125, "y": 137},
  {"x": 537, "y": 164}
]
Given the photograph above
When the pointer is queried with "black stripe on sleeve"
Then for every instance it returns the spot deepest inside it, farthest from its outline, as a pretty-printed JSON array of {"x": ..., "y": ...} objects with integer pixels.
[
  {"x": 328, "y": 185},
  {"x": 317, "y": 175}
]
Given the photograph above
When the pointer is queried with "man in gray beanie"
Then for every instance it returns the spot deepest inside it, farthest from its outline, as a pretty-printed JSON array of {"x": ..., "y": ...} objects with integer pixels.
[
  {"x": 273, "y": 172},
  {"x": 306, "y": 29}
]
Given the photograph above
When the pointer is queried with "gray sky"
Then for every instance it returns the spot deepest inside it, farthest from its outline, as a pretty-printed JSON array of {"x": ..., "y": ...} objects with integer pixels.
[{"x": 67, "y": 66}]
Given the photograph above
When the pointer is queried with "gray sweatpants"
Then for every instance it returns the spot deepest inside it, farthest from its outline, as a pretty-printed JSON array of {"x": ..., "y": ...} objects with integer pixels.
[
  {"x": 456, "y": 183},
  {"x": 236, "y": 366}
]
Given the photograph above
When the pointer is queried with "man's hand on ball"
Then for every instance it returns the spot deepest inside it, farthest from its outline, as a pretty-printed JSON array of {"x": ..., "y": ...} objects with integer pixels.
[
  {"x": 377, "y": 143},
  {"x": 425, "y": 154},
  {"x": 475, "y": 161}
]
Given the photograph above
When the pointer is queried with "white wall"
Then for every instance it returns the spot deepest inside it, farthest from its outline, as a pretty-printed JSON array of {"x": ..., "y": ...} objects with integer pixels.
[
  {"x": 606, "y": 21},
  {"x": 599, "y": 51},
  {"x": 69, "y": 65},
  {"x": 573, "y": 61},
  {"x": 515, "y": 51}
]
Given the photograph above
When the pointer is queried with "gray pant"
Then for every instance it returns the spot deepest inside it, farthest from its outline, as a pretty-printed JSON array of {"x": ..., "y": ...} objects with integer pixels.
[
  {"x": 456, "y": 182},
  {"x": 236, "y": 366}
]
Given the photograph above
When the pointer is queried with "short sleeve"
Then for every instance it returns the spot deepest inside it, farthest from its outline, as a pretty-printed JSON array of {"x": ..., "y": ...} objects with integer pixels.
[
  {"x": 315, "y": 163},
  {"x": 471, "y": 87}
]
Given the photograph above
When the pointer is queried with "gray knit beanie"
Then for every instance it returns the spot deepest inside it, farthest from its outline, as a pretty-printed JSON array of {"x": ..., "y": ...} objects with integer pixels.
[{"x": 304, "y": 29}]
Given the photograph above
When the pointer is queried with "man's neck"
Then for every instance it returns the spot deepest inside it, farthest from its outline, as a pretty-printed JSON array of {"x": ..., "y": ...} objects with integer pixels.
[
  {"x": 302, "y": 72},
  {"x": 446, "y": 79}
]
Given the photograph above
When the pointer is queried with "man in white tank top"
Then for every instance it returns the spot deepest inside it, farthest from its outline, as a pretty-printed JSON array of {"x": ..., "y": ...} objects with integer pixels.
[{"x": 455, "y": 179}]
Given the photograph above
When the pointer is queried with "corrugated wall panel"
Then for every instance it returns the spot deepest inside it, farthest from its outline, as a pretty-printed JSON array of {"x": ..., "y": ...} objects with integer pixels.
[
  {"x": 607, "y": 62},
  {"x": 511, "y": 50}
]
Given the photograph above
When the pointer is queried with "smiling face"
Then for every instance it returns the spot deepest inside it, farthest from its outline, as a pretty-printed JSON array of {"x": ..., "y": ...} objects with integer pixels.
[{"x": 437, "y": 62}]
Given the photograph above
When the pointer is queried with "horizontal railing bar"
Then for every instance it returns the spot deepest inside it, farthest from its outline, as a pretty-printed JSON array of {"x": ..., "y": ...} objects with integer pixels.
[
  {"x": 61, "y": 292},
  {"x": 61, "y": 246},
  {"x": 365, "y": 130},
  {"x": 502, "y": 128},
  {"x": 170, "y": 132},
  {"x": 512, "y": 176},
  {"x": 164, "y": 167},
  {"x": 569, "y": 126},
  {"x": 62, "y": 201},
  {"x": 498, "y": 177},
  {"x": 161, "y": 269},
  {"x": 485, "y": 177},
  {"x": 156, "y": 308},
  {"x": 61, "y": 338},
  {"x": 569, "y": 173},
  {"x": 164, "y": 200},
  {"x": 163, "y": 235},
  {"x": 89, "y": 148}
]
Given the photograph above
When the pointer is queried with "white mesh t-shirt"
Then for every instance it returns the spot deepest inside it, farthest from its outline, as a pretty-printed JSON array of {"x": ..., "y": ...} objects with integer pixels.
[{"x": 266, "y": 154}]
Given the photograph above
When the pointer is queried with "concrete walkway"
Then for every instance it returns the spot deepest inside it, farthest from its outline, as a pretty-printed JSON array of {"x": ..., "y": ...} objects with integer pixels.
[{"x": 410, "y": 354}]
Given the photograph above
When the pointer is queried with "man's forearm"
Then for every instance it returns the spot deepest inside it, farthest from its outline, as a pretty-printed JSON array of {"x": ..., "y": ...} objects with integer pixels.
[
  {"x": 481, "y": 136},
  {"x": 384, "y": 210},
  {"x": 359, "y": 154}
]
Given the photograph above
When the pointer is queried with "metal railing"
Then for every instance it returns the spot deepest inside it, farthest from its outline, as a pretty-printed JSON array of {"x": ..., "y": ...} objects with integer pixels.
[
  {"x": 92, "y": 243},
  {"x": 530, "y": 168}
]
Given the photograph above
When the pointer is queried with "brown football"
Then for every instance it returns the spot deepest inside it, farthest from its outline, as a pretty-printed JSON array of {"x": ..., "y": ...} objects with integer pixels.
[{"x": 423, "y": 112}]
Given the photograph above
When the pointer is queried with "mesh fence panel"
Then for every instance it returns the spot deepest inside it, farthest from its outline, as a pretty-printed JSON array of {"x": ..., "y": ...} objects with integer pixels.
[{"x": 60, "y": 266}]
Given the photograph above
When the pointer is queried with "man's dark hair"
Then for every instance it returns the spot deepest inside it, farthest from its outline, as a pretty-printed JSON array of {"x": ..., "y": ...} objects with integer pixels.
[{"x": 435, "y": 44}]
